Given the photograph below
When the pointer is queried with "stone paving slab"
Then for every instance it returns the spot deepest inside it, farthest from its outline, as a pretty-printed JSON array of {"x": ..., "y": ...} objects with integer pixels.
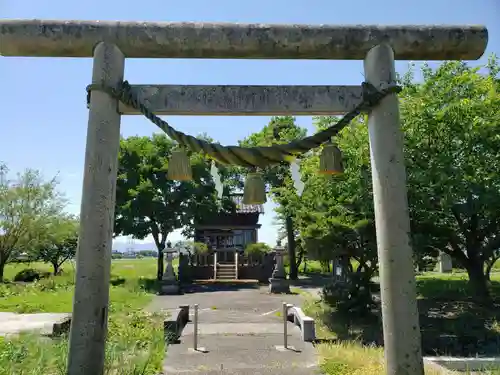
[
  {"x": 256, "y": 300},
  {"x": 253, "y": 371},
  {"x": 237, "y": 328},
  {"x": 12, "y": 323},
  {"x": 241, "y": 353},
  {"x": 228, "y": 315}
]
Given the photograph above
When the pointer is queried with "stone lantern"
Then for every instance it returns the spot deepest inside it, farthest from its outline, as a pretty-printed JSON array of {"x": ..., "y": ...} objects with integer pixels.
[
  {"x": 278, "y": 282},
  {"x": 169, "y": 282}
]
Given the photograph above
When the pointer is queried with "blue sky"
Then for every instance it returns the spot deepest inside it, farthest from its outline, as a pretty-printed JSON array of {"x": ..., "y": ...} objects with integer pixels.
[{"x": 44, "y": 117}]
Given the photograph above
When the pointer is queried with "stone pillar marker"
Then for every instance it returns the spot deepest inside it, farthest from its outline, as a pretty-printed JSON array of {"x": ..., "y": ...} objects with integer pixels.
[
  {"x": 93, "y": 258},
  {"x": 278, "y": 282},
  {"x": 445, "y": 264},
  {"x": 169, "y": 282},
  {"x": 402, "y": 343}
]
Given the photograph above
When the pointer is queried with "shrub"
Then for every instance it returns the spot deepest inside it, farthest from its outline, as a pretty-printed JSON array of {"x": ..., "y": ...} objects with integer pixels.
[
  {"x": 200, "y": 248},
  {"x": 352, "y": 298},
  {"x": 30, "y": 274},
  {"x": 258, "y": 248}
]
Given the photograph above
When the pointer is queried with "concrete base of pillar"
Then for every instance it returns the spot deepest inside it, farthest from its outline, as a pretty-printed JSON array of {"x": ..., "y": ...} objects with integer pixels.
[
  {"x": 169, "y": 287},
  {"x": 278, "y": 286}
]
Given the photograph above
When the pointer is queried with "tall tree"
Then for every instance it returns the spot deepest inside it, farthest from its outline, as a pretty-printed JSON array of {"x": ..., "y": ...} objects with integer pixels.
[
  {"x": 452, "y": 149},
  {"x": 26, "y": 203},
  {"x": 59, "y": 241},
  {"x": 148, "y": 203},
  {"x": 452, "y": 122},
  {"x": 280, "y": 130}
]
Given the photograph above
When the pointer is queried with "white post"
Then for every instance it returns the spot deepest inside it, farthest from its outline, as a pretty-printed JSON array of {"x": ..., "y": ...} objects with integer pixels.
[
  {"x": 285, "y": 327},
  {"x": 195, "y": 323},
  {"x": 236, "y": 263},
  {"x": 93, "y": 260},
  {"x": 403, "y": 353},
  {"x": 215, "y": 265}
]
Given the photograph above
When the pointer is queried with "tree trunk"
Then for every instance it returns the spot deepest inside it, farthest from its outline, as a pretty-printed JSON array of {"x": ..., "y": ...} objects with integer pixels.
[
  {"x": 291, "y": 248},
  {"x": 160, "y": 245},
  {"x": 159, "y": 274},
  {"x": 300, "y": 259},
  {"x": 2, "y": 268},
  {"x": 489, "y": 266},
  {"x": 55, "y": 265},
  {"x": 478, "y": 281}
]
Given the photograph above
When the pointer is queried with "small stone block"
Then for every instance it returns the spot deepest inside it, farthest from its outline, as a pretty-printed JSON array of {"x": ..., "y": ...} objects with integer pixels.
[
  {"x": 199, "y": 350},
  {"x": 308, "y": 332},
  {"x": 170, "y": 331},
  {"x": 169, "y": 289},
  {"x": 281, "y": 348},
  {"x": 278, "y": 286},
  {"x": 61, "y": 327},
  {"x": 184, "y": 314}
]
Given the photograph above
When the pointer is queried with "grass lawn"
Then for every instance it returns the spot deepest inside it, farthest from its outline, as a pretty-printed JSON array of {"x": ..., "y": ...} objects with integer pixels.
[
  {"x": 311, "y": 267},
  {"x": 135, "y": 338},
  {"x": 451, "y": 324}
]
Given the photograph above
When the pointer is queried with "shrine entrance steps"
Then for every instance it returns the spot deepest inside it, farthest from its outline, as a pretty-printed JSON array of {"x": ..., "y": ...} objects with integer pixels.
[
  {"x": 241, "y": 328},
  {"x": 226, "y": 271}
]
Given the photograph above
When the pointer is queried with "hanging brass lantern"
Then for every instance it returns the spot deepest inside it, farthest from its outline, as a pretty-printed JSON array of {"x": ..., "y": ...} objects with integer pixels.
[
  {"x": 179, "y": 166},
  {"x": 255, "y": 189},
  {"x": 330, "y": 160}
]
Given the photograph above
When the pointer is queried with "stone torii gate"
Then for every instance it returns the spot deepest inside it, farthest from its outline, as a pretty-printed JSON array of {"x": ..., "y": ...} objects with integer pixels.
[{"x": 109, "y": 43}]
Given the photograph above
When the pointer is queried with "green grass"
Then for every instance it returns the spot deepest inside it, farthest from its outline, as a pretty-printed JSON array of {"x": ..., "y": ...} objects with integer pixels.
[
  {"x": 313, "y": 267},
  {"x": 135, "y": 338},
  {"x": 341, "y": 340}
]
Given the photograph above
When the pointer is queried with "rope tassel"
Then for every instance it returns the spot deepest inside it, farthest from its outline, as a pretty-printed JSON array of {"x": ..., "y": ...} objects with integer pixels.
[
  {"x": 179, "y": 166},
  {"x": 255, "y": 189},
  {"x": 330, "y": 160}
]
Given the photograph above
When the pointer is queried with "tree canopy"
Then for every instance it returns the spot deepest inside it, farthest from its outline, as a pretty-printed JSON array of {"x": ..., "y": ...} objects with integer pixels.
[
  {"x": 27, "y": 203},
  {"x": 58, "y": 242},
  {"x": 148, "y": 203},
  {"x": 451, "y": 124}
]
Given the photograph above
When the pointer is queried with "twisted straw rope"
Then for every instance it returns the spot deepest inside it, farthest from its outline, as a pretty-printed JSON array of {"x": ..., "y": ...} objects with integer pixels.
[{"x": 250, "y": 157}]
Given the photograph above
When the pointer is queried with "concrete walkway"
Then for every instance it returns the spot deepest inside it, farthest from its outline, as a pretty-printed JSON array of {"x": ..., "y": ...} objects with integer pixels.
[
  {"x": 240, "y": 327},
  {"x": 43, "y": 323}
]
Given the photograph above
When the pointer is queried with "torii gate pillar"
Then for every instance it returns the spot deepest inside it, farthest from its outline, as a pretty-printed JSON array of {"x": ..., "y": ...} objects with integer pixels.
[
  {"x": 91, "y": 300},
  {"x": 402, "y": 342}
]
